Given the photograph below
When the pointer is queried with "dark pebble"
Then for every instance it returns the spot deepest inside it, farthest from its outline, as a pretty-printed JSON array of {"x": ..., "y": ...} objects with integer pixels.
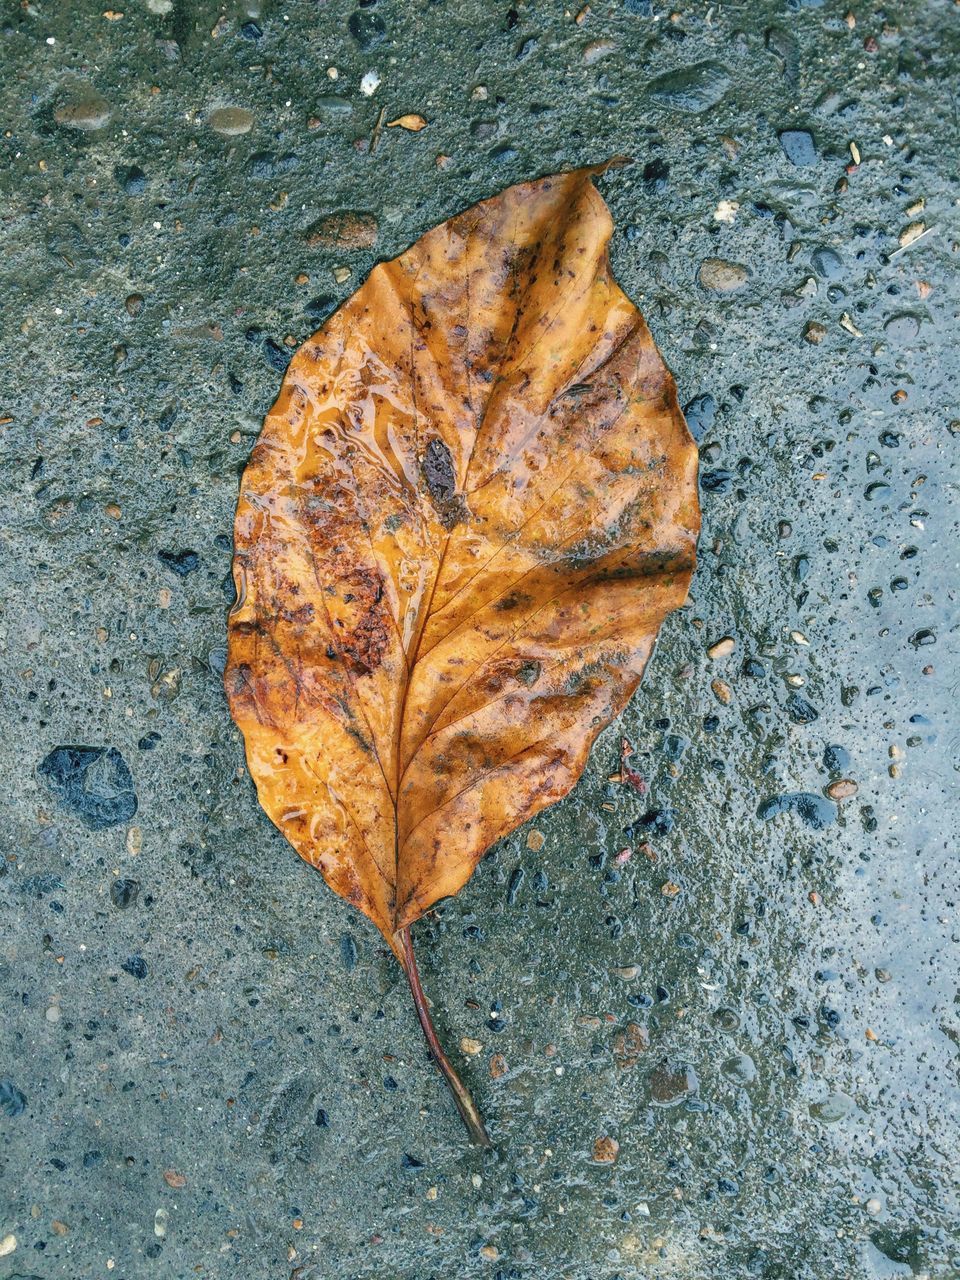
[
  {"x": 136, "y": 966},
  {"x": 800, "y": 710},
  {"x": 37, "y": 885},
  {"x": 149, "y": 741},
  {"x": 12, "y": 1100},
  {"x": 826, "y": 263},
  {"x": 410, "y": 1162},
  {"x": 123, "y": 893},
  {"x": 836, "y": 759},
  {"x": 798, "y": 147},
  {"x": 694, "y": 89},
  {"x": 320, "y": 308},
  {"x": 181, "y": 563},
  {"x": 656, "y": 822},
  {"x": 265, "y": 164},
  {"x": 368, "y": 29},
  {"x": 716, "y": 481},
  {"x": 94, "y": 782},
  {"x": 816, "y": 811},
  {"x": 655, "y": 175},
  {"x": 348, "y": 952},
  {"x": 700, "y": 413}
]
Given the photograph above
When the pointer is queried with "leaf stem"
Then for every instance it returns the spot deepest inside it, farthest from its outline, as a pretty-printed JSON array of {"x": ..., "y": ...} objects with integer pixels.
[{"x": 461, "y": 1095}]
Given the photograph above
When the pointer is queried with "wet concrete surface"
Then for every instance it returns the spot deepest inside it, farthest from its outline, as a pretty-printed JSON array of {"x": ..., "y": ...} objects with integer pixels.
[{"x": 210, "y": 1066}]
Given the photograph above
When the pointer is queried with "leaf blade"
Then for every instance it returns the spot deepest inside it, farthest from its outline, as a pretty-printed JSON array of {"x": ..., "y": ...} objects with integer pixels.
[{"x": 468, "y": 513}]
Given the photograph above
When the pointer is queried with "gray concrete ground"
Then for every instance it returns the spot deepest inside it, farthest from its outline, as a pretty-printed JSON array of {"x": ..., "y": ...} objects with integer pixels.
[{"x": 208, "y": 1065}]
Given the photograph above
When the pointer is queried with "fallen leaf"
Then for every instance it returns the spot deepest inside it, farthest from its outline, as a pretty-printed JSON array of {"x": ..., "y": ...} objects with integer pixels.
[
  {"x": 467, "y": 514},
  {"x": 412, "y": 122}
]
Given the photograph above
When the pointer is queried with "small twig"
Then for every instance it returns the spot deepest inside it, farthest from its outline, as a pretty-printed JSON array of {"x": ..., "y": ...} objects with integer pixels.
[
  {"x": 377, "y": 130},
  {"x": 461, "y": 1095}
]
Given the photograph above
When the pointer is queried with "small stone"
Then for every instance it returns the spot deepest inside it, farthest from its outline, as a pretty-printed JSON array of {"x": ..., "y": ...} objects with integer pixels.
[
  {"x": 847, "y": 323},
  {"x": 345, "y": 229},
  {"x": 798, "y": 147},
  {"x": 629, "y": 1045},
  {"x": 873, "y": 1206},
  {"x": 368, "y": 29},
  {"x": 124, "y": 893},
  {"x": 672, "y": 1083},
  {"x": 882, "y": 975},
  {"x": 489, "y": 1252},
  {"x": 87, "y": 113},
  {"x": 722, "y": 648},
  {"x": 341, "y": 274},
  {"x": 814, "y": 332},
  {"x": 535, "y": 841},
  {"x": 596, "y": 50},
  {"x": 498, "y": 1066},
  {"x": 134, "y": 841},
  {"x": 826, "y": 263},
  {"x": 231, "y": 122},
  {"x": 911, "y": 233},
  {"x": 700, "y": 413},
  {"x": 160, "y": 1220},
  {"x": 726, "y": 211},
  {"x": 182, "y": 563},
  {"x": 720, "y": 276},
  {"x": 670, "y": 890},
  {"x": 369, "y": 84},
  {"x": 93, "y": 782},
  {"x": 721, "y": 691},
  {"x": 331, "y": 107},
  {"x": 693, "y": 89},
  {"x": 471, "y": 1047},
  {"x": 134, "y": 304},
  {"x": 606, "y": 1150},
  {"x": 59, "y": 1228},
  {"x": 173, "y": 1179},
  {"x": 842, "y": 789},
  {"x": 8, "y": 1245},
  {"x": 53, "y": 1013}
]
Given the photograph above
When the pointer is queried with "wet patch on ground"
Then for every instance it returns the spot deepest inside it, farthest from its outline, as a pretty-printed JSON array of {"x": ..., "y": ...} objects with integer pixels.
[{"x": 711, "y": 1020}]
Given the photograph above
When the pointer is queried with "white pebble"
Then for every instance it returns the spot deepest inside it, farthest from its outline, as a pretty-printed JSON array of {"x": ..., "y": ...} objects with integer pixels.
[
  {"x": 873, "y": 1206},
  {"x": 369, "y": 84},
  {"x": 8, "y": 1245}
]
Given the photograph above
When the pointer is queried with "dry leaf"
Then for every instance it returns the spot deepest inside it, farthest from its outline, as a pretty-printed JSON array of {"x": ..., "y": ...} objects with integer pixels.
[
  {"x": 466, "y": 516},
  {"x": 412, "y": 122}
]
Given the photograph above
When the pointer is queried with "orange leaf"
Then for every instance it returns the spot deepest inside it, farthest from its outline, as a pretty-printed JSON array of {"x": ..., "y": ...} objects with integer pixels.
[{"x": 467, "y": 514}]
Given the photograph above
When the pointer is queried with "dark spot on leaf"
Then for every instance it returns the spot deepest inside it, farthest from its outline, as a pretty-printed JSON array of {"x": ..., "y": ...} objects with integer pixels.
[{"x": 437, "y": 471}]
